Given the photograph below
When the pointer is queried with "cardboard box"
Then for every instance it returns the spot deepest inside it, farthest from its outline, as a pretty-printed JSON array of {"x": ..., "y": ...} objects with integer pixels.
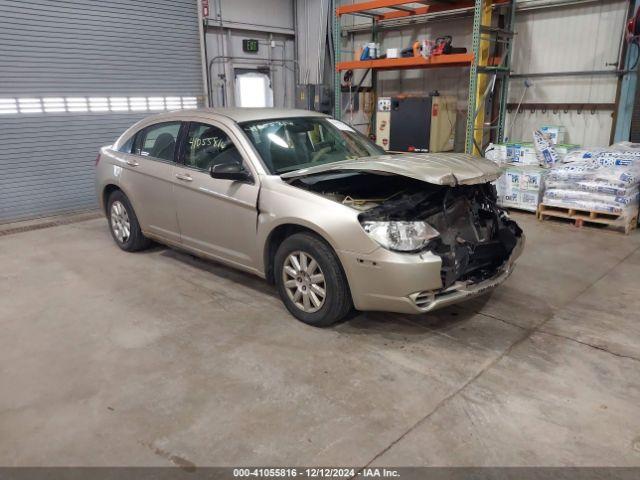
[
  {"x": 522, "y": 200},
  {"x": 528, "y": 154},
  {"x": 523, "y": 153},
  {"x": 531, "y": 180},
  {"x": 521, "y": 187},
  {"x": 393, "y": 53},
  {"x": 511, "y": 199},
  {"x": 512, "y": 179},
  {"x": 529, "y": 200},
  {"x": 513, "y": 151}
]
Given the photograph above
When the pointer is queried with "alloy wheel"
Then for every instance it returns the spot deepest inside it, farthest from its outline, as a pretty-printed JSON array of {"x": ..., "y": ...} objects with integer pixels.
[
  {"x": 120, "y": 222},
  {"x": 304, "y": 281}
]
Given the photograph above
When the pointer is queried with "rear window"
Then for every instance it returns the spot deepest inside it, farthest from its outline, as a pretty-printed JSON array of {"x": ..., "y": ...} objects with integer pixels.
[{"x": 127, "y": 146}]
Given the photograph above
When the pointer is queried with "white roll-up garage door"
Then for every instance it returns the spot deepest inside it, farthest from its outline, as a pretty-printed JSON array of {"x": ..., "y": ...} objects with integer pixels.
[{"x": 74, "y": 74}]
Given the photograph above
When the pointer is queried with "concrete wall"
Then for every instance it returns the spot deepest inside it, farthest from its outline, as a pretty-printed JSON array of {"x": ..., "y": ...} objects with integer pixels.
[{"x": 268, "y": 21}]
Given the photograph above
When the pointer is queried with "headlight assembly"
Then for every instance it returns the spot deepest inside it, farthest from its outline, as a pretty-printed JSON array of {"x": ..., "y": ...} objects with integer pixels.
[{"x": 401, "y": 236}]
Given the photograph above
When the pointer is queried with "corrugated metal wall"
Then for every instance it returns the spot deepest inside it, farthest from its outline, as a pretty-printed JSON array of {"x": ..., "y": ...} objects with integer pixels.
[
  {"x": 75, "y": 74},
  {"x": 572, "y": 38}
]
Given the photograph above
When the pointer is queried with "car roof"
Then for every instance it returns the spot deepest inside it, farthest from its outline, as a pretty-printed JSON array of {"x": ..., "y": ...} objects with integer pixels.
[
  {"x": 226, "y": 115},
  {"x": 238, "y": 115}
]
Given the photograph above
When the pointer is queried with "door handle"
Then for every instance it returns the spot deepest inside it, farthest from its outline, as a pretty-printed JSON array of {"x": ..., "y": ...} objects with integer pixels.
[
  {"x": 132, "y": 163},
  {"x": 184, "y": 177}
]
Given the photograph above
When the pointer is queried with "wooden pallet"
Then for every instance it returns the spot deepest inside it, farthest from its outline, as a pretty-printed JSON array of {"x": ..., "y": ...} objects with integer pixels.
[
  {"x": 518, "y": 209},
  {"x": 581, "y": 216}
]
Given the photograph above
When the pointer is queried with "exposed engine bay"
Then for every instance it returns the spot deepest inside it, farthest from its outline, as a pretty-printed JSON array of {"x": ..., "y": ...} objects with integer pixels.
[{"x": 476, "y": 237}]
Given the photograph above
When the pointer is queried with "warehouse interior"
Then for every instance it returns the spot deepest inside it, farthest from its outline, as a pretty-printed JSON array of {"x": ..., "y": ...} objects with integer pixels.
[{"x": 174, "y": 357}]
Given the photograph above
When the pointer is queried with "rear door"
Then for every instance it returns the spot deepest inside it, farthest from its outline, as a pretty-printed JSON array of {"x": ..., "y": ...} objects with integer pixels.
[
  {"x": 148, "y": 178},
  {"x": 216, "y": 216}
]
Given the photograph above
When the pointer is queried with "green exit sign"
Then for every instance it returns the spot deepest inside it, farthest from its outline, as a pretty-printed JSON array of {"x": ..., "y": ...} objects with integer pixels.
[{"x": 250, "y": 45}]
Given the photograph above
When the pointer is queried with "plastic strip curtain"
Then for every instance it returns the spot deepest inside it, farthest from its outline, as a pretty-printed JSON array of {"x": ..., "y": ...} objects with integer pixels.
[{"x": 312, "y": 17}]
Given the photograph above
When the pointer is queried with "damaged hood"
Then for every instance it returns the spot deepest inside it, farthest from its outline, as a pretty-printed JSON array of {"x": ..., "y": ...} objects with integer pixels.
[{"x": 437, "y": 168}]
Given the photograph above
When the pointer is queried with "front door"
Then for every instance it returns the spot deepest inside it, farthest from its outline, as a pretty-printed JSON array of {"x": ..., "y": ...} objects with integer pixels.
[{"x": 216, "y": 216}]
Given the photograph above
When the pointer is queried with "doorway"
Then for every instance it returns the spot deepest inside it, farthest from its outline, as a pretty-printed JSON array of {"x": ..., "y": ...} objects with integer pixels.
[{"x": 253, "y": 88}]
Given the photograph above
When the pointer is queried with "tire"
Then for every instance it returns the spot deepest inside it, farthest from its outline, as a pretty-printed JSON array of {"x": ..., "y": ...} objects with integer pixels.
[
  {"x": 323, "y": 311},
  {"x": 120, "y": 214}
]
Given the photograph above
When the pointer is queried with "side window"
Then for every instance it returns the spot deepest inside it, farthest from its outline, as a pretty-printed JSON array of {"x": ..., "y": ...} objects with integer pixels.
[
  {"x": 208, "y": 146},
  {"x": 158, "y": 141}
]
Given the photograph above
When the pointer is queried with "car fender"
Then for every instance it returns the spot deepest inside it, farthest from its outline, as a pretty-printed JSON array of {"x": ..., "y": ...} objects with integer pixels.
[{"x": 283, "y": 204}]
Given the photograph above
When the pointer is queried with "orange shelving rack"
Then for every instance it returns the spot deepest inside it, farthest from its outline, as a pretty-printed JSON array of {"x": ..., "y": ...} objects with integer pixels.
[{"x": 482, "y": 65}]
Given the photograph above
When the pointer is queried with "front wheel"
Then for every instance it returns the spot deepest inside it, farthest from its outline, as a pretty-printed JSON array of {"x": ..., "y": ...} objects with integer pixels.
[{"x": 310, "y": 280}]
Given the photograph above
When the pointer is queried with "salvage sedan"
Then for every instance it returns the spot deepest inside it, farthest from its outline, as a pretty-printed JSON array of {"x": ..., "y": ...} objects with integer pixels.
[{"x": 310, "y": 204}]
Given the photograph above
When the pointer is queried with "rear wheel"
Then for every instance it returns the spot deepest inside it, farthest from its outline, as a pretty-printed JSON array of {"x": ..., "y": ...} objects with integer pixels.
[
  {"x": 124, "y": 225},
  {"x": 310, "y": 280}
]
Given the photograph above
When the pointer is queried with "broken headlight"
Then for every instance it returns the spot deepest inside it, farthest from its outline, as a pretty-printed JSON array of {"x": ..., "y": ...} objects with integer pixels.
[{"x": 401, "y": 236}]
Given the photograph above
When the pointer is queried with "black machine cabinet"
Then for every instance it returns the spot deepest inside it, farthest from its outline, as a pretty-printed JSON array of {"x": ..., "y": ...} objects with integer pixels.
[{"x": 410, "y": 124}]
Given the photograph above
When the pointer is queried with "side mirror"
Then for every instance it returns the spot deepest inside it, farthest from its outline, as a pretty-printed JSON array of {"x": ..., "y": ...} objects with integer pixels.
[{"x": 230, "y": 171}]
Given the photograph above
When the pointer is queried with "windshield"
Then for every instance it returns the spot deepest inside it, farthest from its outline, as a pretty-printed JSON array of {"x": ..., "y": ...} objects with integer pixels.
[{"x": 289, "y": 144}]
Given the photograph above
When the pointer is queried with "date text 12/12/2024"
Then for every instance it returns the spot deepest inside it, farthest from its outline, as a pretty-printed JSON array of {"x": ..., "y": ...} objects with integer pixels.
[{"x": 307, "y": 472}]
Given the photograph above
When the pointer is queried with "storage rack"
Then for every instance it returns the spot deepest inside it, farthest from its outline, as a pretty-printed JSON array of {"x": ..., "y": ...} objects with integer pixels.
[{"x": 488, "y": 75}]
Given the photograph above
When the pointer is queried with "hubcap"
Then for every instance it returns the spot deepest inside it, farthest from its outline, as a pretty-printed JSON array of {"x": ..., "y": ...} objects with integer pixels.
[
  {"x": 304, "y": 282},
  {"x": 120, "y": 222}
]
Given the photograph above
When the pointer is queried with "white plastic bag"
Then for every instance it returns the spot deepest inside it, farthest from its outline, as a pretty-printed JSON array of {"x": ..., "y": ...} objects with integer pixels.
[{"x": 545, "y": 149}]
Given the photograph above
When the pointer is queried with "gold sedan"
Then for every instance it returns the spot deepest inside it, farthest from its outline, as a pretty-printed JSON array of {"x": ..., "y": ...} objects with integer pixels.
[{"x": 310, "y": 204}]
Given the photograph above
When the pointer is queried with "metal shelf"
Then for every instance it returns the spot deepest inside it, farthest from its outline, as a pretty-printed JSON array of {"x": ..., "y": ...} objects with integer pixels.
[
  {"x": 392, "y": 9},
  {"x": 405, "y": 63},
  {"x": 485, "y": 68}
]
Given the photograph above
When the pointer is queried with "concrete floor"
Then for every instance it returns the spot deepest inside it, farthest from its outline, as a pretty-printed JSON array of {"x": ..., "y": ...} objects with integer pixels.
[{"x": 109, "y": 358}]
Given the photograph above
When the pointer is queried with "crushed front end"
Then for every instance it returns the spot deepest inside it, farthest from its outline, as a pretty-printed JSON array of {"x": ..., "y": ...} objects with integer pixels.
[
  {"x": 469, "y": 248},
  {"x": 477, "y": 241}
]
